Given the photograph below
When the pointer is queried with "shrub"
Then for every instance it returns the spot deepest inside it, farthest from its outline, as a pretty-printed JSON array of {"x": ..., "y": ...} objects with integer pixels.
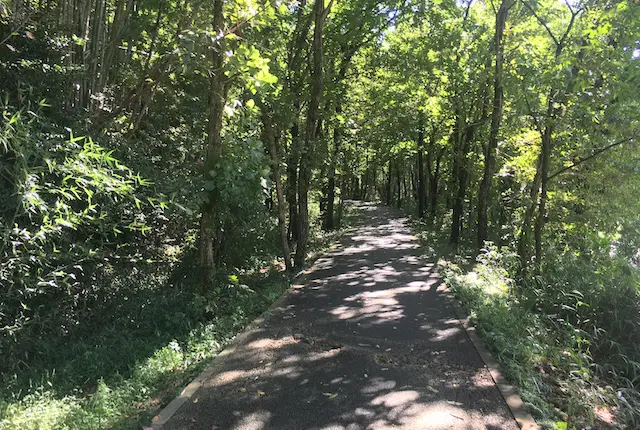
[
  {"x": 567, "y": 336},
  {"x": 68, "y": 205}
]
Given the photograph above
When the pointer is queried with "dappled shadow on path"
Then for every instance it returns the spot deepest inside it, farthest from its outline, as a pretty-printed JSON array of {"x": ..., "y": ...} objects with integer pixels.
[{"x": 367, "y": 342}]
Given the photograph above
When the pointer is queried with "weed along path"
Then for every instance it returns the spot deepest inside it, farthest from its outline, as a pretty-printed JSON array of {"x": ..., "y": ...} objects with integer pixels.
[{"x": 368, "y": 342}]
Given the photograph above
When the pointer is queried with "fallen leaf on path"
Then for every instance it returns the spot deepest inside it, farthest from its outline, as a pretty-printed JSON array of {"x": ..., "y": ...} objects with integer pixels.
[
  {"x": 331, "y": 395},
  {"x": 195, "y": 400},
  {"x": 261, "y": 393}
]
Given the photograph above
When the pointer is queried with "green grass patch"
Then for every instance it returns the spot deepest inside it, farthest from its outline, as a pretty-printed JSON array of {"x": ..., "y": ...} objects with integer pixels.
[
  {"x": 145, "y": 334},
  {"x": 515, "y": 337},
  {"x": 134, "y": 362},
  {"x": 546, "y": 356}
]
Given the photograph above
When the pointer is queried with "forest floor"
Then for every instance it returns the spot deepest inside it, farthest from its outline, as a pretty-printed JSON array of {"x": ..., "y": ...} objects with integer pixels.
[{"x": 367, "y": 340}]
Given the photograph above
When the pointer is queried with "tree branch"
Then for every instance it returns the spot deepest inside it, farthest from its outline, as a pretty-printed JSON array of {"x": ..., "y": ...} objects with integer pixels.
[
  {"x": 17, "y": 29},
  {"x": 240, "y": 25},
  {"x": 542, "y": 22},
  {"x": 532, "y": 114},
  {"x": 593, "y": 155},
  {"x": 466, "y": 12},
  {"x": 574, "y": 14},
  {"x": 325, "y": 12}
]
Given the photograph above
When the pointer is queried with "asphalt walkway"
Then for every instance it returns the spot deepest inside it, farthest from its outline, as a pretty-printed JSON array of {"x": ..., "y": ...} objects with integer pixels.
[{"x": 368, "y": 342}]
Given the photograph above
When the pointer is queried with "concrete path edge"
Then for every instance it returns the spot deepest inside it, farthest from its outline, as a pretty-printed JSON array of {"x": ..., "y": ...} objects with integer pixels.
[
  {"x": 169, "y": 411},
  {"x": 509, "y": 393},
  {"x": 166, "y": 413}
]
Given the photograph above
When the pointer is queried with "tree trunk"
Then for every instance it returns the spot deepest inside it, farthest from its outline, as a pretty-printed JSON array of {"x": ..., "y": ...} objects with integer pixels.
[
  {"x": 313, "y": 115},
  {"x": 269, "y": 139},
  {"x": 544, "y": 182},
  {"x": 458, "y": 179},
  {"x": 210, "y": 223},
  {"x": 95, "y": 44},
  {"x": 123, "y": 9},
  {"x": 542, "y": 174},
  {"x": 484, "y": 192},
  {"x": 405, "y": 187},
  {"x": 523, "y": 239},
  {"x": 388, "y": 193},
  {"x": 470, "y": 211},
  {"x": 399, "y": 181},
  {"x": 292, "y": 183},
  {"x": 364, "y": 184},
  {"x": 421, "y": 184},
  {"x": 414, "y": 183},
  {"x": 462, "y": 176},
  {"x": 540, "y": 185},
  {"x": 434, "y": 179},
  {"x": 331, "y": 193},
  {"x": 154, "y": 36}
]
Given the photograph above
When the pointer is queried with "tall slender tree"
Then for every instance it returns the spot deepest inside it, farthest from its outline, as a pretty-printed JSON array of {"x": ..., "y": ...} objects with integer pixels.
[{"x": 484, "y": 192}]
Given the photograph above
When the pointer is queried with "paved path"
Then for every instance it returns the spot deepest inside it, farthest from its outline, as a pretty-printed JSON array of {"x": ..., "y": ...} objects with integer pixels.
[{"x": 367, "y": 343}]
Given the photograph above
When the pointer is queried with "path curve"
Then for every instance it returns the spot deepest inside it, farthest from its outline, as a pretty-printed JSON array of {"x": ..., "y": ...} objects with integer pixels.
[{"x": 368, "y": 342}]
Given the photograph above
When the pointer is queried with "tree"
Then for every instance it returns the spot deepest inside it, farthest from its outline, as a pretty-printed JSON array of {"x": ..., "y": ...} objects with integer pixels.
[
  {"x": 484, "y": 193},
  {"x": 210, "y": 223},
  {"x": 320, "y": 15}
]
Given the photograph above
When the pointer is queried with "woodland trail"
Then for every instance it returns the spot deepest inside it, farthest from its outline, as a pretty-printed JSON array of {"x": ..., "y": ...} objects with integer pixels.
[{"x": 368, "y": 342}]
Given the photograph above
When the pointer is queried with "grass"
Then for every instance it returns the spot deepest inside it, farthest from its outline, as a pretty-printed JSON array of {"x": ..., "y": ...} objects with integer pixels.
[
  {"x": 120, "y": 375},
  {"x": 145, "y": 334},
  {"x": 552, "y": 333},
  {"x": 549, "y": 362},
  {"x": 515, "y": 337}
]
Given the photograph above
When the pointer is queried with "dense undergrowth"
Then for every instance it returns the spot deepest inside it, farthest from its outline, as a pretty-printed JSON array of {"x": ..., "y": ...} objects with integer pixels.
[
  {"x": 104, "y": 317},
  {"x": 140, "y": 345},
  {"x": 142, "y": 342},
  {"x": 566, "y": 336}
]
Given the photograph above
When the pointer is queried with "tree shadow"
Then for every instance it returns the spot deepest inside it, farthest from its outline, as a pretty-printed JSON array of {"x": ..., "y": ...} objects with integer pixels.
[{"x": 367, "y": 341}]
